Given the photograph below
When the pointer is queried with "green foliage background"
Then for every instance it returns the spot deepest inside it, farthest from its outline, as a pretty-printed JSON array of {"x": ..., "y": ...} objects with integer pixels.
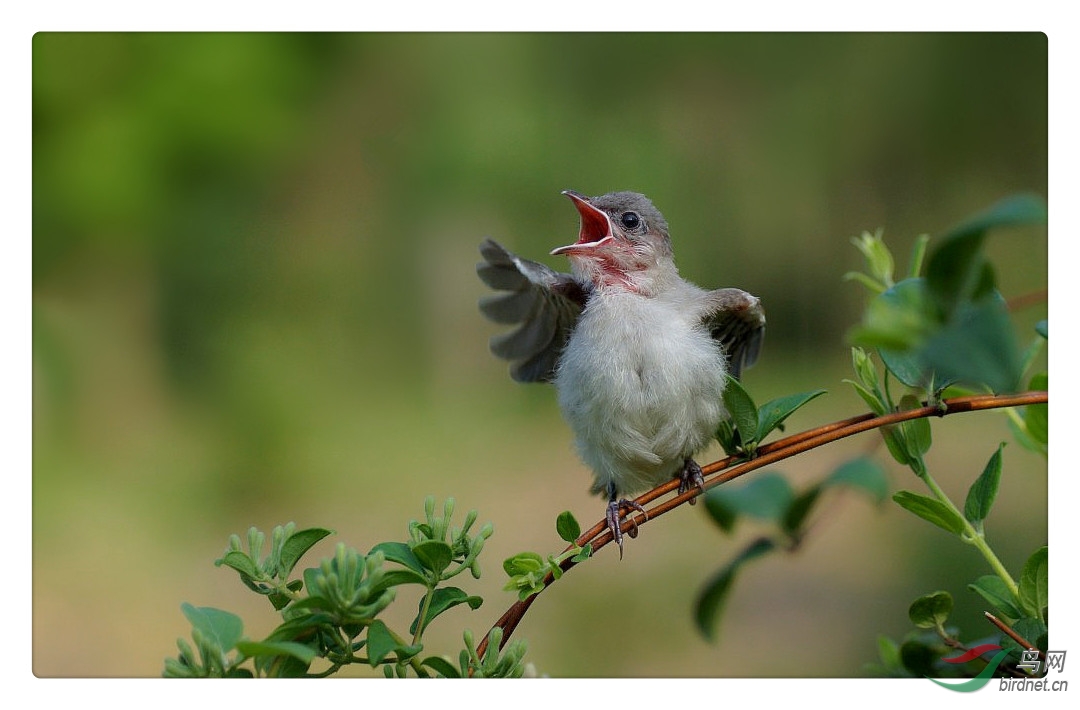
[{"x": 254, "y": 302}]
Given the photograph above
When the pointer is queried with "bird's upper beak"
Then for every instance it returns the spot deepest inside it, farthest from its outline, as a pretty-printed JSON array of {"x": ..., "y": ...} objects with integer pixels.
[{"x": 595, "y": 227}]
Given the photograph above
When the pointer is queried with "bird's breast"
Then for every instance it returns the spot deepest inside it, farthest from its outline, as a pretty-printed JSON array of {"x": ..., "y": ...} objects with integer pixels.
[{"x": 640, "y": 384}]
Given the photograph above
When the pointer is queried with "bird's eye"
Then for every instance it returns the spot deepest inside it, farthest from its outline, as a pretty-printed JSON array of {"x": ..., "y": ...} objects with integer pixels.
[{"x": 630, "y": 220}]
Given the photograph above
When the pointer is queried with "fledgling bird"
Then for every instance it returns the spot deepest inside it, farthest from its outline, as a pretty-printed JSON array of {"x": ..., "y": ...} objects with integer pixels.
[{"x": 638, "y": 355}]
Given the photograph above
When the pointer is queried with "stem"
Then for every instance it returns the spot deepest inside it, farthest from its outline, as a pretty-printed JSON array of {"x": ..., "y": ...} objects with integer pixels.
[
  {"x": 422, "y": 615},
  {"x": 414, "y": 662},
  {"x": 973, "y": 536},
  {"x": 730, "y": 468}
]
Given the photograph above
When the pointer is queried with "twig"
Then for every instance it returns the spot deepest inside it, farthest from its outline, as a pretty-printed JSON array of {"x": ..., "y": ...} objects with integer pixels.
[
  {"x": 767, "y": 454},
  {"x": 1024, "y": 643},
  {"x": 1025, "y": 300}
]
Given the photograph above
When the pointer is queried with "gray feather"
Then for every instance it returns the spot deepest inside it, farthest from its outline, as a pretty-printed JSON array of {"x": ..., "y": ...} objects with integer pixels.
[
  {"x": 510, "y": 308},
  {"x": 737, "y": 321},
  {"x": 545, "y": 304}
]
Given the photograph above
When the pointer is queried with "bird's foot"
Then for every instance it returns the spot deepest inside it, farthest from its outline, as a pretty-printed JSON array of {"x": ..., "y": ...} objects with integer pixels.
[
  {"x": 614, "y": 519},
  {"x": 690, "y": 476}
]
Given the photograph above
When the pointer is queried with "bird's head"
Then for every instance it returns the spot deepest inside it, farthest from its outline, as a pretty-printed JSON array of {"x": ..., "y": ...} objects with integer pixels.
[{"x": 622, "y": 239}]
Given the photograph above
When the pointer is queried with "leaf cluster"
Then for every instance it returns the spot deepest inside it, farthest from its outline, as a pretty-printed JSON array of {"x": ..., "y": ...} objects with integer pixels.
[
  {"x": 332, "y": 612},
  {"x": 920, "y": 653},
  {"x": 947, "y": 329},
  {"x": 951, "y": 325},
  {"x": 747, "y": 424},
  {"x": 951, "y": 328},
  {"x": 528, "y": 571}
]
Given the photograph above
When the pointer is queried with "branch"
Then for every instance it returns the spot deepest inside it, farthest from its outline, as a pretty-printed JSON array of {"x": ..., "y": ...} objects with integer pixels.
[
  {"x": 733, "y": 467},
  {"x": 1007, "y": 630}
]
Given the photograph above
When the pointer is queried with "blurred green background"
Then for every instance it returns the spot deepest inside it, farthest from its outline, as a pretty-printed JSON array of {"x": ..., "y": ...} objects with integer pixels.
[{"x": 255, "y": 301}]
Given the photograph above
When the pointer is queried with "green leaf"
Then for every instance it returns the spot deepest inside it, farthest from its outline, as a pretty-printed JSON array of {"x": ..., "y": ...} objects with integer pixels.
[
  {"x": 1040, "y": 328},
  {"x": 523, "y": 563},
  {"x": 1010, "y": 211},
  {"x": 743, "y": 411},
  {"x": 406, "y": 652},
  {"x": 1031, "y": 630},
  {"x": 799, "y": 509},
  {"x": 224, "y": 629},
  {"x": 918, "y": 252},
  {"x": 955, "y": 268},
  {"x": 311, "y": 576},
  {"x": 299, "y": 651},
  {"x": 567, "y": 526},
  {"x": 899, "y": 319},
  {"x": 396, "y": 577},
  {"x": 240, "y": 562},
  {"x": 917, "y": 435},
  {"x": 1037, "y": 416},
  {"x": 864, "y": 369},
  {"x": 878, "y": 257},
  {"x": 1024, "y": 438},
  {"x": 872, "y": 401},
  {"x": 584, "y": 554},
  {"x": 1034, "y": 585},
  {"x": 296, "y": 545},
  {"x": 930, "y": 510},
  {"x": 977, "y": 347},
  {"x": 865, "y": 280},
  {"x": 380, "y": 642},
  {"x": 980, "y": 497},
  {"x": 281, "y": 666},
  {"x": 434, "y": 555},
  {"x": 304, "y": 625},
  {"x": 718, "y": 509},
  {"x": 314, "y": 603},
  {"x": 445, "y": 598},
  {"x": 994, "y": 590},
  {"x": 888, "y": 652},
  {"x": 767, "y": 497},
  {"x": 773, "y": 413},
  {"x": 279, "y": 600},
  {"x": 399, "y": 552},
  {"x": 930, "y": 611},
  {"x": 525, "y": 590},
  {"x": 441, "y": 666},
  {"x": 725, "y": 434},
  {"x": 710, "y": 601},
  {"x": 907, "y": 366},
  {"x": 918, "y": 657},
  {"x": 863, "y": 474},
  {"x": 895, "y": 443}
]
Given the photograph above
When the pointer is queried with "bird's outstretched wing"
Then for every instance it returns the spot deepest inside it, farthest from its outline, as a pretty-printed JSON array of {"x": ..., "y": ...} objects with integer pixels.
[
  {"x": 545, "y": 303},
  {"x": 737, "y": 320}
]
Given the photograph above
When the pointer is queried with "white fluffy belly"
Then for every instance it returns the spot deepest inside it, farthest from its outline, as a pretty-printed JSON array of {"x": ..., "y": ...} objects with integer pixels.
[{"x": 640, "y": 386}]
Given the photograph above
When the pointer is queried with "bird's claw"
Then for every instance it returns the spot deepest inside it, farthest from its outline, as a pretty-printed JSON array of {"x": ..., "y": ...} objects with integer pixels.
[
  {"x": 691, "y": 476},
  {"x": 614, "y": 520}
]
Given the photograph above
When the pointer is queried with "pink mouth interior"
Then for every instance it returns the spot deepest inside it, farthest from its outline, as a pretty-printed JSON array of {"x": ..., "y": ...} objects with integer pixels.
[
  {"x": 595, "y": 229},
  {"x": 594, "y": 224}
]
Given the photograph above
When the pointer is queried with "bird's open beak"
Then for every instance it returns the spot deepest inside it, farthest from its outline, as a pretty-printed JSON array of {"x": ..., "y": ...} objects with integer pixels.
[{"x": 595, "y": 227}]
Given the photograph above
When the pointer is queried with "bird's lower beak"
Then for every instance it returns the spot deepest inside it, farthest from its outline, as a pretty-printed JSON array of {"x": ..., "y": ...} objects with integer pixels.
[{"x": 595, "y": 227}]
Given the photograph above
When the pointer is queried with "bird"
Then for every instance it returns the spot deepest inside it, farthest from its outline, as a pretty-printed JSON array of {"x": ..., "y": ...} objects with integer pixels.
[{"x": 639, "y": 356}]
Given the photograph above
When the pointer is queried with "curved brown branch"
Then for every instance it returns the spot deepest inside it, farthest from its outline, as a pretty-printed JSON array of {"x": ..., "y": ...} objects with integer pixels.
[
  {"x": 730, "y": 468},
  {"x": 1026, "y": 300}
]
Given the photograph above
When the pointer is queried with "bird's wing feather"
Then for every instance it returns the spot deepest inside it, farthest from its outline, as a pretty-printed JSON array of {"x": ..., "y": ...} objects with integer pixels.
[
  {"x": 737, "y": 320},
  {"x": 544, "y": 302}
]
